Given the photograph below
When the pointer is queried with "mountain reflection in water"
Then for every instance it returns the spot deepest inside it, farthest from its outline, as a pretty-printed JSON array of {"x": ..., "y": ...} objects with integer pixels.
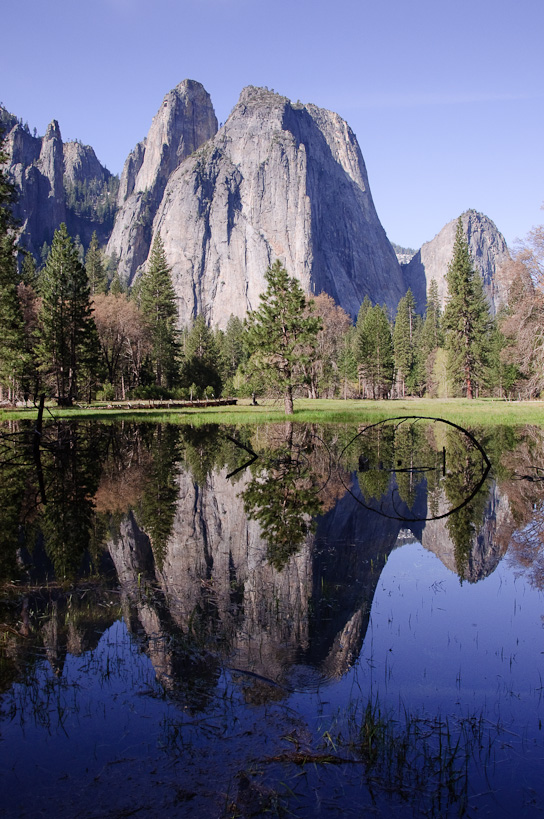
[{"x": 252, "y": 551}]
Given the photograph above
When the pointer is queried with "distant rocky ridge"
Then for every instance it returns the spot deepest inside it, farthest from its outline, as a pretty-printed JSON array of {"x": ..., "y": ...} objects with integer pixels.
[
  {"x": 57, "y": 182},
  {"x": 488, "y": 250},
  {"x": 278, "y": 180}
]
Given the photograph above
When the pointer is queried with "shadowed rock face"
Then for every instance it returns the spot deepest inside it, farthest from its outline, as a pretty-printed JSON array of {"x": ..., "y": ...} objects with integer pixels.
[
  {"x": 184, "y": 121},
  {"x": 489, "y": 254},
  {"x": 40, "y": 168},
  {"x": 279, "y": 180}
]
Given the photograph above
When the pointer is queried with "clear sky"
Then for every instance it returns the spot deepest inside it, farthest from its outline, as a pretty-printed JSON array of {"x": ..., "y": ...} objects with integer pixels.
[{"x": 445, "y": 97}]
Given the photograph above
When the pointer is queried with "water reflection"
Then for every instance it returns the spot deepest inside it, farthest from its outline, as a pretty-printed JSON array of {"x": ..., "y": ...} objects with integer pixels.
[
  {"x": 258, "y": 550},
  {"x": 251, "y": 554}
]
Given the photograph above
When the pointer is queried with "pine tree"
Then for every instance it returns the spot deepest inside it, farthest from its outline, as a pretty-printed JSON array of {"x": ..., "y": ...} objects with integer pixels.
[
  {"x": 94, "y": 267},
  {"x": 68, "y": 341},
  {"x": 158, "y": 303},
  {"x": 232, "y": 347},
  {"x": 347, "y": 361},
  {"x": 429, "y": 340},
  {"x": 467, "y": 320},
  {"x": 201, "y": 365},
  {"x": 12, "y": 355},
  {"x": 29, "y": 271},
  {"x": 116, "y": 288},
  {"x": 404, "y": 335},
  {"x": 281, "y": 336},
  {"x": 363, "y": 310},
  {"x": 375, "y": 351}
]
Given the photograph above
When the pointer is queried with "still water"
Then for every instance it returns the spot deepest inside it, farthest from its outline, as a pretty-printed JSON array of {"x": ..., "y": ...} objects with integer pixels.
[{"x": 282, "y": 620}]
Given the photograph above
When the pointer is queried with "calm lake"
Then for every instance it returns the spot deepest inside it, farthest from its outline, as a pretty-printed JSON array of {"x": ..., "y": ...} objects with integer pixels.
[{"x": 281, "y": 620}]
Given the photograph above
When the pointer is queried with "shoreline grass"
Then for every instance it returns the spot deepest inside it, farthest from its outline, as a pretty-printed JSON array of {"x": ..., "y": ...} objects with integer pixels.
[{"x": 485, "y": 412}]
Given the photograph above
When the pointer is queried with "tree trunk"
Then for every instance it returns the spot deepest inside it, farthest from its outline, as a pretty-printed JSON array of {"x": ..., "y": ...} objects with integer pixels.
[{"x": 288, "y": 400}]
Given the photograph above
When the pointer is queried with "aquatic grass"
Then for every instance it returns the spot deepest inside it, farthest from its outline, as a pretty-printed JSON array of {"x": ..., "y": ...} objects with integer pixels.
[{"x": 425, "y": 761}]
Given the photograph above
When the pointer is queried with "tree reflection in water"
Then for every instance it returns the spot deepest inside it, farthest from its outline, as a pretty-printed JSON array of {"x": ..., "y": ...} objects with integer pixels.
[
  {"x": 283, "y": 493},
  {"x": 247, "y": 558}
]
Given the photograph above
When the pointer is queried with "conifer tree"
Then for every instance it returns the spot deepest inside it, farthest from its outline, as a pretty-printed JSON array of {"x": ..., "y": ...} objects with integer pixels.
[
  {"x": 158, "y": 304},
  {"x": 116, "y": 288},
  {"x": 375, "y": 351},
  {"x": 429, "y": 340},
  {"x": 404, "y": 336},
  {"x": 94, "y": 267},
  {"x": 347, "y": 361},
  {"x": 363, "y": 310},
  {"x": 29, "y": 271},
  {"x": 201, "y": 365},
  {"x": 68, "y": 341},
  {"x": 467, "y": 320},
  {"x": 281, "y": 335},
  {"x": 12, "y": 356}
]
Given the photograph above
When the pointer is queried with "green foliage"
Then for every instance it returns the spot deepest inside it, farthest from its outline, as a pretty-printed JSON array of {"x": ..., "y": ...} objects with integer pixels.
[
  {"x": 72, "y": 467},
  {"x": 93, "y": 199},
  {"x": 283, "y": 497},
  {"x": 15, "y": 475},
  {"x": 281, "y": 336},
  {"x": 157, "y": 507},
  {"x": 467, "y": 321},
  {"x": 464, "y": 471},
  {"x": 231, "y": 349},
  {"x": 202, "y": 360},
  {"x": 158, "y": 303},
  {"x": 68, "y": 348},
  {"x": 363, "y": 310},
  {"x": 29, "y": 271},
  {"x": 94, "y": 267},
  {"x": 430, "y": 339},
  {"x": 405, "y": 334},
  {"x": 12, "y": 354},
  {"x": 347, "y": 362},
  {"x": 375, "y": 352},
  {"x": 503, "y": 375}
]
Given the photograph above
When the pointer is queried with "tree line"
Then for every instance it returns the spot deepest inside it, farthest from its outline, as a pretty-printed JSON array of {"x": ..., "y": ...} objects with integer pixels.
[{"x": 73, "y": 331}]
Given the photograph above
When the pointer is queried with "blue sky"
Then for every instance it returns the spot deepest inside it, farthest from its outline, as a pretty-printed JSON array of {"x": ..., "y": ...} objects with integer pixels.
[{"x": 446, "y": 98}]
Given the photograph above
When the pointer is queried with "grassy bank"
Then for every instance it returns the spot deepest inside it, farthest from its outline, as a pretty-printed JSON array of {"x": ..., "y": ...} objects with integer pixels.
[{"x": 322, "y": 411}]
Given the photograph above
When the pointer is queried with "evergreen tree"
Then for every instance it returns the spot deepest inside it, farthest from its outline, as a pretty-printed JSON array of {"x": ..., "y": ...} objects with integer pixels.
[
  {"x": 404, "y": 335},
  {"x": 116, "y": 288},
  {"x": 232, "y": 352},
  {"x": 44, "y": 253},
  {"x": 363, "y": 310},
  {"x": 466, "y": 319},
  {"x": 94, "y": 267},
  {"x": 347, "y": 361},
  {"x": 29, "y": 271},
  {"x": 12, "y": 355},
  {"x": 429, "y": 340},
  {"x": 68, "y": 342},
  {"x": 201, "y": 364},
  {"x": 158, "y": 303},
  {"x": 432, "y": 327},
  {"x": 375, "y": 352},
  {"x": 281, "y": 336}
]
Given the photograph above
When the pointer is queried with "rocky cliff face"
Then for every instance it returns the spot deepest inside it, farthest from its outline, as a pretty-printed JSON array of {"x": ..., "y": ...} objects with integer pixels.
[
  {"x": 50, "y": 177},
  {"x": 184, "y": 121},
  {"x": 279, "y": 180},
  {"x": 489, "y": 254}
]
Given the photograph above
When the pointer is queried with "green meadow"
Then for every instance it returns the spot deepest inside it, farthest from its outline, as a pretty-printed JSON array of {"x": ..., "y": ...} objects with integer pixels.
[{"x": 485, "y": 411}]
